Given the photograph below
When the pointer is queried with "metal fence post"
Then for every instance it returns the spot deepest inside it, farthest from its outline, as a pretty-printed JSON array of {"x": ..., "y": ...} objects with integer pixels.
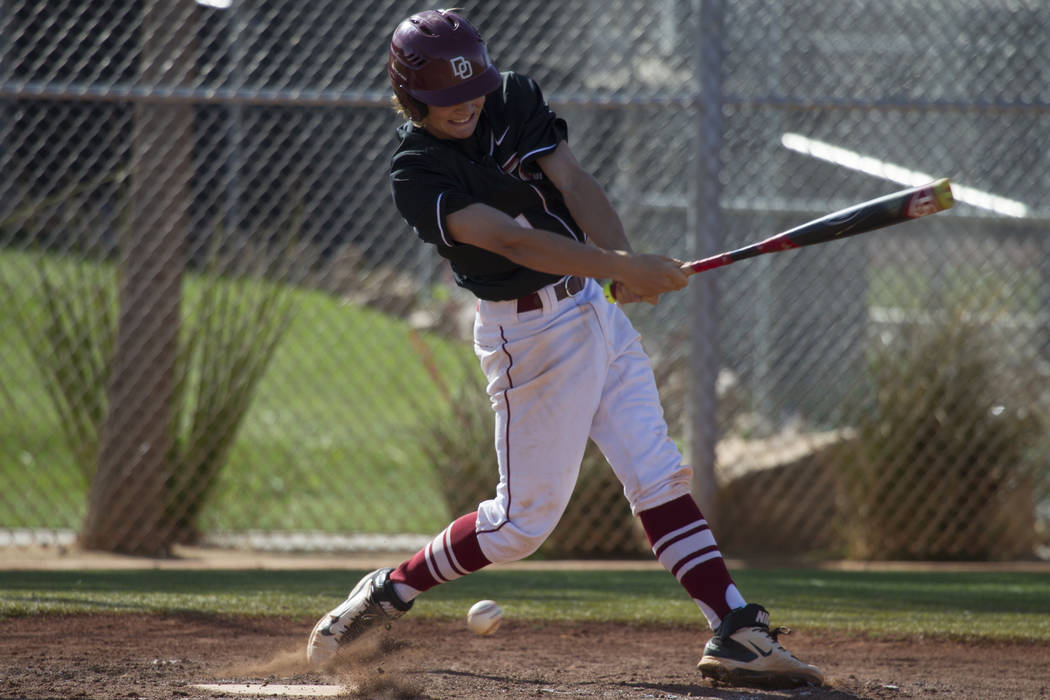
[{"x": 705, "y": 221}]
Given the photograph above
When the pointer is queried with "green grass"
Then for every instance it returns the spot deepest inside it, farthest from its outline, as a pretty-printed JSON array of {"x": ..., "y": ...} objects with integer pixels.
[
  {"x": 336, "y": 418},
  {"x": 967, "y": 605}
]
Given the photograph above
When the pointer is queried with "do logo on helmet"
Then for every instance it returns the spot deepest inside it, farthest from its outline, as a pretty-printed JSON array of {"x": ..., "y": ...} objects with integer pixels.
[{"x": 461, "y": 68}]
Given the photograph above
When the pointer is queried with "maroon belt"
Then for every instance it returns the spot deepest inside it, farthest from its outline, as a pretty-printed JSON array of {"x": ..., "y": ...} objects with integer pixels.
[{"x": 568, "y": 287}]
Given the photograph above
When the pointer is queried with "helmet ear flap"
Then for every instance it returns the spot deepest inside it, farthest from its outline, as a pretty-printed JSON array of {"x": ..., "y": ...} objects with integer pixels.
[{"x": 410, "y": 106}]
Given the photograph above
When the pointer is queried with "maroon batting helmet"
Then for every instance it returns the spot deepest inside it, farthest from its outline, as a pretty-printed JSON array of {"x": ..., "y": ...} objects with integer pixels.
[{"x": 438, "y": 58}]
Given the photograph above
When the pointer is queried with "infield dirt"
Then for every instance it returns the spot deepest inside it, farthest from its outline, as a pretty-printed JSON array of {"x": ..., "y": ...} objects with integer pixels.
[
  {"x": 153, "y": 657},
  {"x": 108, "y": 655}
]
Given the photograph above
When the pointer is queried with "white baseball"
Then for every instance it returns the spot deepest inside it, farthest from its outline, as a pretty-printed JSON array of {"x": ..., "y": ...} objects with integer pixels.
[{"x": 484, "y": 617}]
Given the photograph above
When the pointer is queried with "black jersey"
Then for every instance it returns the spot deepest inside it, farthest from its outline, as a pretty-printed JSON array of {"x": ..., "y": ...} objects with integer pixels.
[{"x": 432, "y": 177}]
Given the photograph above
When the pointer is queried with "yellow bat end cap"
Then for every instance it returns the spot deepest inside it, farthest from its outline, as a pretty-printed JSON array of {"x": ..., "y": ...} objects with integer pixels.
[{"x": 942, "y": 192}]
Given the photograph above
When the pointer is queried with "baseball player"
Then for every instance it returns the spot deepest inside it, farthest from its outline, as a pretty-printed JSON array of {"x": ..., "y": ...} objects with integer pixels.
[{"x": 485, "y": 174}]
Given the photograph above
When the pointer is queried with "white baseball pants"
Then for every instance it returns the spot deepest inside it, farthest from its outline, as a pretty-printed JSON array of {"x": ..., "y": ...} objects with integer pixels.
[{"x": 556, "y": 376}]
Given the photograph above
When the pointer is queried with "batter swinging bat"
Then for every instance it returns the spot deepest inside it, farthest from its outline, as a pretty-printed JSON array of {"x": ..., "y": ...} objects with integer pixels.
[{"x": 867, "y": 216}]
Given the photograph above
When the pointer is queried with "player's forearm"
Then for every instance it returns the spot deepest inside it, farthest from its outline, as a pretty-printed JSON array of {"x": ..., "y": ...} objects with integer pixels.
[
  {"x": 593, "y": 211},
  {"x": 646, "y": 276},
  {"x": 548, "y": 252},
  {"x": 488, "y": 228},
  {"x": 585, "y": 198}
]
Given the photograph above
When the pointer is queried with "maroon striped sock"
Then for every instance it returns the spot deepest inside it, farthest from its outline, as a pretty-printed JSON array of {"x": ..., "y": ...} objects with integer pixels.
[
  {"x": 684, "y": 544},
  {"x": 455, "y": 552}
]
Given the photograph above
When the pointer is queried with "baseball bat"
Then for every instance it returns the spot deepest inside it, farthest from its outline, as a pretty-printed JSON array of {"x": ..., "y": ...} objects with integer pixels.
[{"x": 881, "y": 212}]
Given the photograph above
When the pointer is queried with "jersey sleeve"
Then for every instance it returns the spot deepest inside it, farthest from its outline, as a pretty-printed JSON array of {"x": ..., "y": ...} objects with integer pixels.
[
  {"x": 538, "y": 130},
  {"x": 424, "y": 195}
]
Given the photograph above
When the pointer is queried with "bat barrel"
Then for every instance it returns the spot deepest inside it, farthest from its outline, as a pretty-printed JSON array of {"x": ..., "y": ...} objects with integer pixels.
[{"x": 891, "y": 209}]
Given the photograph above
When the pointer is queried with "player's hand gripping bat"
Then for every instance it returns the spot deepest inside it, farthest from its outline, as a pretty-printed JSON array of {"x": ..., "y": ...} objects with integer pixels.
[{"x": 867, "y": 216}]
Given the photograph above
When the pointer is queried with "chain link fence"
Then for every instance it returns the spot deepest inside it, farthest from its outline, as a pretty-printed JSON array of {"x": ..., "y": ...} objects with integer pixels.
[{"x": 216, "y": 327}]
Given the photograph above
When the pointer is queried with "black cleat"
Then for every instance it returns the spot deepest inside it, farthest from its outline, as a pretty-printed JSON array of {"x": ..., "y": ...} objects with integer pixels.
[
  {"x": 744, "y": 651},
  {"x": 371, "y": 603}
]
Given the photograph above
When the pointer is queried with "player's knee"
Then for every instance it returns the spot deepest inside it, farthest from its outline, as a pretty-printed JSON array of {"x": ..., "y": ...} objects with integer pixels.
[
  {"x": 527, "y": 544},
  {"x": 649, "y": 495},
  {"x": 515, "y": 540}
]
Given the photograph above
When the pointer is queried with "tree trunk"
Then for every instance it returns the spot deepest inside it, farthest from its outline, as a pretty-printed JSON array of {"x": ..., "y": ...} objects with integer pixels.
[{"x": 126, "y": 507}]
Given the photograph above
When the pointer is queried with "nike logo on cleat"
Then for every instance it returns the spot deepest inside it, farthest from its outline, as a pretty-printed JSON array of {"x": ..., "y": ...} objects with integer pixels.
[
  {"x": 327, "y": 631},
  {"x": 759, "y": 649}
]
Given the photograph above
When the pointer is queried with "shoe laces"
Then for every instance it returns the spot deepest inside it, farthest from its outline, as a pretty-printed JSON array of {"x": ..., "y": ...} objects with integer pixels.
[{"x": 773, "y": 635}]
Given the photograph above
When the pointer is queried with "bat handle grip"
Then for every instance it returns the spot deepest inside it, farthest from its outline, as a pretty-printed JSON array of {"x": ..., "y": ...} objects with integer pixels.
[
  {"x": 689, "y": 268},
  {"x": 708, "y": 263}
]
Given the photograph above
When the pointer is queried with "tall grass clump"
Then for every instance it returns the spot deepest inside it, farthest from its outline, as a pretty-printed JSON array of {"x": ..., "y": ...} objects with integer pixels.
[
  {"x": 71, "y": 334},
  {"x": 944, "y": 465},
  {"x": 233, "y": 320},
  {"x": 228, "y": 339}
]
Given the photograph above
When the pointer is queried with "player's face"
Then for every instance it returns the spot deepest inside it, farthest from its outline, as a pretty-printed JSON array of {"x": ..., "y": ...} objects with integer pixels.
[{"x": 455, "y": 122}]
